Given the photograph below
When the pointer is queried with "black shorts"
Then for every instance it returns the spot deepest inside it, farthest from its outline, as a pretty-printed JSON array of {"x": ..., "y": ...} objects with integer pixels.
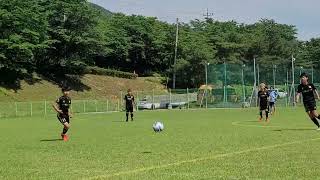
[
  {"x": 63, "y": 118},
  {"x": 310, "y": 106},
  {"x": 264, "y": 107},
  {"x": 271, "y": 104},
  {"x": 129, "y": 109}
]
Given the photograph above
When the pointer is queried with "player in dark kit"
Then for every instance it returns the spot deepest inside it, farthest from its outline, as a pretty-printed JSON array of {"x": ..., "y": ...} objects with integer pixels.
[
  {"x": 263, "y": 96},
  {"x": 62, "y": 106},
  {"x": 308, "y": 91},
  {"x": 129, "y": 102}
]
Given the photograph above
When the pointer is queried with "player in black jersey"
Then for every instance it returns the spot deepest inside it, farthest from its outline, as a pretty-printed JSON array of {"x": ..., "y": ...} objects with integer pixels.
[
  {"x": 62, "y": 107},
  {"x": 308, "y": 92},
  {"x": 263, "y": 96},
  {"x": 129, "y": 103}
]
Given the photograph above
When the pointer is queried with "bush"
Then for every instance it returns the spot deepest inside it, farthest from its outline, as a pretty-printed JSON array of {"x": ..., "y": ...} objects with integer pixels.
[{"x": 110, "y": 72}]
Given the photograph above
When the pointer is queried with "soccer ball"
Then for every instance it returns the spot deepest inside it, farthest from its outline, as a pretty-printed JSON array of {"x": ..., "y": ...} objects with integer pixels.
[{"x": 158, "y": 126}]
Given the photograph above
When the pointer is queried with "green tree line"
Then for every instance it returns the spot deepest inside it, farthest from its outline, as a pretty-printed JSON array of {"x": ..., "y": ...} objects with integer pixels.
[{"x": 55, "y": 38}]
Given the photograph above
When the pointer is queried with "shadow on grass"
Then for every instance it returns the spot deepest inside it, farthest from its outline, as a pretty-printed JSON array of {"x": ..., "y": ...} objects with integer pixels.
[
  {"x": 297, "y": 129},
  {"x": 146, "y": 152},
  {"x": 50, "y": 140},
  {"x": 119, "y": 121},
  {"x": 252, "y": 121}
]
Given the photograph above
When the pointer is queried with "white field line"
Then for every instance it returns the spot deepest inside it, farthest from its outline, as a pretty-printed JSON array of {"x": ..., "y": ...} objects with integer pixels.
[{"x": 145, "y": 169}]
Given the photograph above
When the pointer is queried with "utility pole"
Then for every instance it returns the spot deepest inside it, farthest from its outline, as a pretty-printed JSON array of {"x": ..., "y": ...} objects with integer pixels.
[
  {"x": 175, "y": 56},
  {"x": 292, "y": 86},
  {"x": 206, "y": 91},
  {"x": 207, "y": 15}
]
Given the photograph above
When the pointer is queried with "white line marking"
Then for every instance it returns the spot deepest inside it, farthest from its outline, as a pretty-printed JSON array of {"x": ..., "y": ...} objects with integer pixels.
[{"x": 140, "y": 170}]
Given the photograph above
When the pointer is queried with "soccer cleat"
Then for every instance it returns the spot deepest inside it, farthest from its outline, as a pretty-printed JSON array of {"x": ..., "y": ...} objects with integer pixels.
[
  {"x": 62, "y": 136},
  {"x": 65, "y": 138},
  {"x": 260, "y": 119},
  {"x": 267, "y": 120}
]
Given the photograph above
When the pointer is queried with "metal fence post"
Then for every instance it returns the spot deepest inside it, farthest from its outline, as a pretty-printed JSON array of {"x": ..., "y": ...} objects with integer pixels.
[
  {"x": 137, "y": 101},
  {"x": 31, "y": 108},
  {"x": 16, "y": 105},
  {"x": 45, "y": 107},
  {"x": 152, "y": 96},
  {"x": 107, "y": 105},
  {"x": 118, "y": 105},
  {"x": 84, "y": 106},
  {"x": 170, "y": 98},
  {"x": 188, "y": 100}
]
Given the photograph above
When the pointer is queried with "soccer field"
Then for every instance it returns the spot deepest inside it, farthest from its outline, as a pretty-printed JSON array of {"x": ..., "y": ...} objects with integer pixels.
[{"x": 196, "y": 144}]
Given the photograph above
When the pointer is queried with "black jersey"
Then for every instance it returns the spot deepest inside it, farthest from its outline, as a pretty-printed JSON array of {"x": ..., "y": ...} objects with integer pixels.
[
  {"x": 64, "y": 103},
  {"x": 263, "y": 97},
  {"x": 129, "y": 100},
  {"x": 307, "y": 92}
]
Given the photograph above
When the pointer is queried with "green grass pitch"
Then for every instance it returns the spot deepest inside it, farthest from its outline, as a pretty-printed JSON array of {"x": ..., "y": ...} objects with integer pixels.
[{"x": 196, "y": 144}]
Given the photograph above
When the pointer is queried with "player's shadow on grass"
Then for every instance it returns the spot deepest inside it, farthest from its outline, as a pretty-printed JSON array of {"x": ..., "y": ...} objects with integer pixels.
[
  {"x": 297, "y": 129},
  {"x": 250, "y": 121},
  {"x": 50, "y": 140},
  {"x": 119, "y": 121},
  {"x": 146, "y": 152}
]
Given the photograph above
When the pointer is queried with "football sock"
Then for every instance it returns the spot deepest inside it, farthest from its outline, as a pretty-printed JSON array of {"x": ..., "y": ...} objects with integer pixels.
[
  {"x": 267, "y": 114},
  {"x": 131, "y": 116},
  {"x": 260, "y": 114},
  {"x": 65, "y": 130},
  {"x": 318, "y": 117},
  {"x": 127, "y": 115},
  {"x": 315, "y": 121}
]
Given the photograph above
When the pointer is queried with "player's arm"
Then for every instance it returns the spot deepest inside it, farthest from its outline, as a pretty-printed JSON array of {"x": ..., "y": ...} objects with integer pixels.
[
  {"x": 315, "y": 91},
  {"x": 134, "y": 102},
  {"x": 299, "y": 91},
  {"x": 56, "y": 107},
  {"x": 70, "y": 113},
  {"x": 298, "y": 97},
  {"x": 124, "y": 102},
  {"x": 317, "y": 94}
]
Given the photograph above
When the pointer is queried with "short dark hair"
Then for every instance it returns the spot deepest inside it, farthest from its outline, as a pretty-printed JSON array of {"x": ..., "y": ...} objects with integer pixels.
[
  {"x": 304, "y": 75},
  {"x": 64, "y": 89}
]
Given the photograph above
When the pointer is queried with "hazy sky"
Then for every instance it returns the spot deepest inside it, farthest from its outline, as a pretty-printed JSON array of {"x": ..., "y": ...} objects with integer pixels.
[{"x": 304, "y": 14}]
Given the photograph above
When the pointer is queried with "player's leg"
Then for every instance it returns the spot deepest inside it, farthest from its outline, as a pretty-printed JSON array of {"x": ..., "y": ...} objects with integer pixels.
[
  {"x": 261, "y": 112},
  {"x": 313, "y": 118},
  {"x": 66, "y": 127},
  {"x": 267, "y": 114},
  {"x": 274, "y": 108},
  {"x": 64, "y": 119},
  {"x": 271, "y": 105},
  {"x": 131, "y": 113},
  {"x": 127, "y": 114}
]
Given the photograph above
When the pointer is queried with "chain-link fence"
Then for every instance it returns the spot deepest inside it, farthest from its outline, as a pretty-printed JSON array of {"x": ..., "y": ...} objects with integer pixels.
[
  {"x": 43, "y": 108},
  {"x": 234, "y": 85},
  {"x": 225, "y": 86},
  {"x": 145, "y": 100}
]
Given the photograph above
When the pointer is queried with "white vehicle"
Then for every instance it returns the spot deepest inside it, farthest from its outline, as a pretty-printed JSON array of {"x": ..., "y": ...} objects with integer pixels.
[
  {"x": 146, "y": 105},
  {"x": 163, "y": 105},
  {"x": 178, "y": 104}
]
